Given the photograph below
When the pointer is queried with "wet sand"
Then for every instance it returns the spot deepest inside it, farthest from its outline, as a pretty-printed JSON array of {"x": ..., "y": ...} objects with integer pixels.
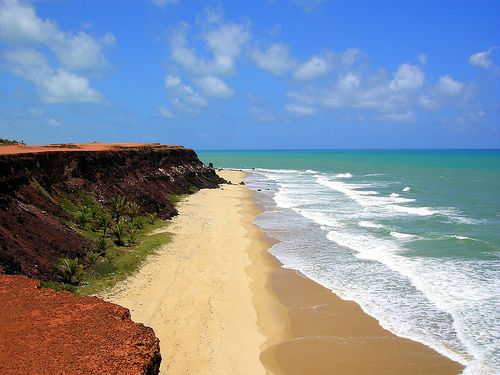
[{"x": 221, "y": 304}]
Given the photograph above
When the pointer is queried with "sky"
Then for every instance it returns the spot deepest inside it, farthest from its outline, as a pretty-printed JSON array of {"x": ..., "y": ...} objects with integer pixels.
[{"x": 255, "y": 74}]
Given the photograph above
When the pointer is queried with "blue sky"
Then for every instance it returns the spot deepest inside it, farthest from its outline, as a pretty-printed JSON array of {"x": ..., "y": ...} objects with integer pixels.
[{"x": 252, "y": 74}]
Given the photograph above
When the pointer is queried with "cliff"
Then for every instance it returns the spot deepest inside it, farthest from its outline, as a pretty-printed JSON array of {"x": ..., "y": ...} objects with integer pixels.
[
  {"x": 39, "y": 184},
  {"x": 48, "y": 332}
]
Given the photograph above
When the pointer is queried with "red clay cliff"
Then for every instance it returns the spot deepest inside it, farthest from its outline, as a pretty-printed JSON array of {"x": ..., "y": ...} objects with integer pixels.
[{"x": 47, "y": 332}]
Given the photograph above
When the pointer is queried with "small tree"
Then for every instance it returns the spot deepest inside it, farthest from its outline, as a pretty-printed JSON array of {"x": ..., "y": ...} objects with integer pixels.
[
  {"x": 118, "y": 207},
  {"x": 152, "y": 217},
  {"x": 71, "y": 270},
  {"x": 133, "y": 210},
  {"x": 133, "y": 234},
  {"x": 93, "y": 257},
  {"x": 103, "y": 222},
  {"x": 119, "y": 231},
  {"x": 102, "y": 246},
  {"x": 83, "y": 216}
]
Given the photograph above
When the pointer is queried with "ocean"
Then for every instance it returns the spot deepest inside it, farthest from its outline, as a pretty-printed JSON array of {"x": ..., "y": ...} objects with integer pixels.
[{"x": 412, "y": 236}]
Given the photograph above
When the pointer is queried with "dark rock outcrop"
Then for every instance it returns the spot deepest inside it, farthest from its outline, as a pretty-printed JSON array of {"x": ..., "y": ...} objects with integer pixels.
[
  {"x": 47, "y": 332},
  {"x": 35, "y": 186}
]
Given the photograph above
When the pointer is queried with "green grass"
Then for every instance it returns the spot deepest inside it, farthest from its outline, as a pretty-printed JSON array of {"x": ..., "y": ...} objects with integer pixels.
[
  {"x": 174, "y": 198},
  {"x": 121, "y": 262}
]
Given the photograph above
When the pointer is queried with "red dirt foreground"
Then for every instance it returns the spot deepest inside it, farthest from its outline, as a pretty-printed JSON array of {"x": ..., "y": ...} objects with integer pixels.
[{"x": 47, "y": 332}]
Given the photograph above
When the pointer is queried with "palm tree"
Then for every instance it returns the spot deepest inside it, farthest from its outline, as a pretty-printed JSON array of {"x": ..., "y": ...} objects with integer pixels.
[
  {"x": 71, "y": 270},
  {"x": 133, "y": 233},
  {"x": 118, "y": 207},
  {"x": 119, "y": 231},
  {"x": 83, "y": 216},
  {"x": 104, "y": 222},
  {"x": 133, "y": 210}
]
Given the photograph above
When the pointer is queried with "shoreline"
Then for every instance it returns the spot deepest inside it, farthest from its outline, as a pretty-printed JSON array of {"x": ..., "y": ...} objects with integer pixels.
[{"x": 290, "y": 324}]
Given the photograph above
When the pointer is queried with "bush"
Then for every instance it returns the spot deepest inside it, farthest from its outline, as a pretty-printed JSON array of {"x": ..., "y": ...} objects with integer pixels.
[
  {"x": 174, "y": 198},
  {"x": 133, "y": 234},
  {"x": 118, "y": 207},
  {"x": 139, "y": 222},
  {"x": 133, "y": 210},
  {"x": 102, "y": 246},
  {"x": 93, "y": 257},
  {"x": 193, "y": 189},
  {"x": 83, "y": 216},
  {"x": 152, "y": 218},
  {"x": 119, "y": 231},
  {"x": 103, "y": 222},
  {"x": 71, "y": 270}
]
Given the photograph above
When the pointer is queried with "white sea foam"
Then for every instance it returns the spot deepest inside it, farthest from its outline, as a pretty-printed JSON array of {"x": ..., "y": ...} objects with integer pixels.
[
  {"x": 369, "y": 224},
  {"x": 442, "y": 302},
  {"x": 402, "y": 236},
  {"x": 344, "y": 175},
  {"x": 407, "y": 188}
]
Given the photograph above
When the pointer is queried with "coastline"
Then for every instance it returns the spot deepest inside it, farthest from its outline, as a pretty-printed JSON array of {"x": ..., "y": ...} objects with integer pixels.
[{"x": 207, "y": 324}]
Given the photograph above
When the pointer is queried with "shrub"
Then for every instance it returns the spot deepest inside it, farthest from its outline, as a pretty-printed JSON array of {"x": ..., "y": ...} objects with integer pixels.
[
  {"x": 139, "y": 222},
  {"x": 103, "y": 222},
  {"x": 93, "y": 257},
  {"x": 83, "y": 216},
  {"x": 102, "y": 246},
  {"x": 133, "y": 234},
  {"x": 152, "y": 217},
  {"x": 118, "y": 207},
  {"x": 119, "y": 231},
  {"x": 193, "y": 189},
  {"x": 133, "y": 210},
  {"x": 71, "y": 270}
]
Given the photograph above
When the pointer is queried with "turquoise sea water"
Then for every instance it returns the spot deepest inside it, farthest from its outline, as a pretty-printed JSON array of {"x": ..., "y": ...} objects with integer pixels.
[{"x": 412, "y": 236}]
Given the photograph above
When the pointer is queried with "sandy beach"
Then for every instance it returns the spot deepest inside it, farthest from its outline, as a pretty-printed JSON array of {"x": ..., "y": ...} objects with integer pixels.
[{"x": 220, "y": 304}]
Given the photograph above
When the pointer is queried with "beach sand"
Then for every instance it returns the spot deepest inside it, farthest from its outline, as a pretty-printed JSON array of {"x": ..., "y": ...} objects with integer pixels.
[{"x": 221, "y": 304}]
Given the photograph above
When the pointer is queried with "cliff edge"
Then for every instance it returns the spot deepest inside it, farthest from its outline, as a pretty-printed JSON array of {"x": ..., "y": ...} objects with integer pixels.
[
  {"x": 39, "y": 183},
  {"x": 49, "y": 332}
]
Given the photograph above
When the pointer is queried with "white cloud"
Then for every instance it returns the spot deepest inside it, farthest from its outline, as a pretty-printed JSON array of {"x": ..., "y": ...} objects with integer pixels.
[
  {"x": 53, "y": 86},
  {"x": 300, "y": 109},
  {"x": 213, "y": 86},
  {"x": 165, "y": 113},
  {"x": 314, "y": 67},
  {"x": 403, "y": 117},
  {"x": 449, "y": 86},
  {"x": 224, "y": 42},
  {"x": 422, "y": 58},
  {"x": 182, "y": 96},
  {"x": 20, "y": 25},
  {"x": 274, "y": 59},
  {"x": 53, "y": 122},
  {"x": 308, "y": 5},
  {"x": 408, "y": 77},
  {"x": 163, "y": 3},
  {"x": 483, "y": 59},
  {"x": 65, "y": 86}
]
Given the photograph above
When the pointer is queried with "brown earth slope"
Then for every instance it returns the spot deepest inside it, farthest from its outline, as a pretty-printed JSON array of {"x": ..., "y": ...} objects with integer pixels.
[
  {"x": 37, "y": 181},
  {"x": 48, "y": 332}
]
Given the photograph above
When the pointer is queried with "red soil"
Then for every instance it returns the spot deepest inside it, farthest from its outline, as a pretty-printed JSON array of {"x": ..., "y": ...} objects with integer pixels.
[
  {"x": 47, "y": 332},
  {"x": 95, "y": 146}
]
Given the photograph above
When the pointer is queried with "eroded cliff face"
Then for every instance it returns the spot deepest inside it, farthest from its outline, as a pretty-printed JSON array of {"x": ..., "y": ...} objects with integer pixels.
[
  {"x": 34, "y": 188},
  {"x": 47, "y": 332}
]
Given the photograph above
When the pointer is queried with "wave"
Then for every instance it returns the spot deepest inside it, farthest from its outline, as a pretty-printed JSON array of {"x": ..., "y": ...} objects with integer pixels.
[
  {"x": 369, "y": 224},
  {"x": 402, "y": 236},
  {"x": 407, "y": 188},
  {"x": 343, "y": 175}
]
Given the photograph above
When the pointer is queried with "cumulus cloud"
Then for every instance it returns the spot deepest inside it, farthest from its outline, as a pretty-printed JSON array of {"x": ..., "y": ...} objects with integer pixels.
[
  {"x": 165, "y": 113},
  {"x": 163, "y": 3},
  {"x": 300, "y": 109},
  {"x": 449, "y": 86},
  {"x": 422, "y": 58},
  {"x": 483, "y": 59},
  {"x": 182, "y": 96},
  {"x": 79, "y": 54},
  {"x": 275, "y": 59},
  {"x": 20, "y": 25},
  {"x": 224, "y": 42},
  {"x": 407, "y": 77},
  {"x": 53, "y": 86},
  {"x": 213, "y": 86},
  {"x": 314, "y": 67}
]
